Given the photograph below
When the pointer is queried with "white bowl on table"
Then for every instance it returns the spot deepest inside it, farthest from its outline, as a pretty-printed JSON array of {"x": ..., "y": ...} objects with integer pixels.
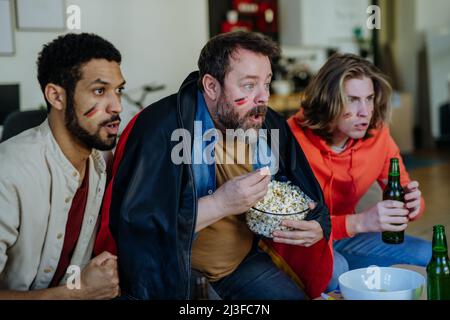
[{"x": 381, "y": 283}]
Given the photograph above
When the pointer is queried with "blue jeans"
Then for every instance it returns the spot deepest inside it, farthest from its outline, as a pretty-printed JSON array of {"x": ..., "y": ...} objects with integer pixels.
[
  {"x": 257, "y": 278},
  {"x": 366, "y": 249}
]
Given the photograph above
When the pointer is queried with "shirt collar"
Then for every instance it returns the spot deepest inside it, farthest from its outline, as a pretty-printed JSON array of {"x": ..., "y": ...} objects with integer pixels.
[{"x": 97, "y": 158}]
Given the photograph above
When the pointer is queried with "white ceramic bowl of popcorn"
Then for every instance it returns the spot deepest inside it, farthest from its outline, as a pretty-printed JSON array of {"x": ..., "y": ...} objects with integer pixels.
[{"x": 283, "y": 201}]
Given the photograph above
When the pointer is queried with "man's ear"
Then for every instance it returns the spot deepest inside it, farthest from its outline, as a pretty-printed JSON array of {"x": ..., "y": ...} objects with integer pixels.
[
  {"x": 55, "y": 95},
  {"x": 211, "y": 86}
]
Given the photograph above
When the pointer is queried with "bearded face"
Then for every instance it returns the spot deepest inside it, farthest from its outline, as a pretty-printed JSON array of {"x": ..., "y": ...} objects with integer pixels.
[
  {"x": 92, "y": 110},
  {"x": 230, "y": 117},
  {"x": 91, "y": 139}
]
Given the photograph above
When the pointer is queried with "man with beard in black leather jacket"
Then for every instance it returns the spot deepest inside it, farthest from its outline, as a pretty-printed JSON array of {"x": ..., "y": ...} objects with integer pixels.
[{"x": 176, "y": 202}]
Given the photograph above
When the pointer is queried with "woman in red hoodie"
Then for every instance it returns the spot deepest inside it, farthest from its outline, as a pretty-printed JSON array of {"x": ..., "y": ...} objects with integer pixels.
[{"x": 342, "y": 129}]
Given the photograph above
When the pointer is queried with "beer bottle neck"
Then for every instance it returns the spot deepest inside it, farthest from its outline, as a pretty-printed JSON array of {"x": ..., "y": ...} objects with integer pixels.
[
  {"x": 394, "y": 172},
  {"x": 439, "y": 242},
  {"x": 394, "y": 180},
  {"x": 440, "y": 256}
]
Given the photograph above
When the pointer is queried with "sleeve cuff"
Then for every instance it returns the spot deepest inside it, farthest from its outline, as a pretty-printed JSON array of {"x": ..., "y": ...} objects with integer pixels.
[{"x": 339, "y": 229}]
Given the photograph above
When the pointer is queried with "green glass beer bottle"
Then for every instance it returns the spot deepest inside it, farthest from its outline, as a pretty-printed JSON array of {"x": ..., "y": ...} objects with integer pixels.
[
  {"x": 438, "y": 269},
  {"x": 393, "y": 191}
]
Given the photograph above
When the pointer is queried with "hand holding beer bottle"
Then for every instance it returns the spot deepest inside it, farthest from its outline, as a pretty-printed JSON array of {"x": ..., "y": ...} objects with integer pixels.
[
  {"x": 399, "y": 206},
  {"x": 412, "y": 198}
]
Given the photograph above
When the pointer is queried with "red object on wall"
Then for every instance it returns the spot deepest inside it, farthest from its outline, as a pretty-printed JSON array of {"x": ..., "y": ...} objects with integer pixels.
[
  {"x": 234, "y": 24},
  {"x": 267, "y": 17},
  {"x": 262, "y": 14},
  {"x": 245, "y": 6}
]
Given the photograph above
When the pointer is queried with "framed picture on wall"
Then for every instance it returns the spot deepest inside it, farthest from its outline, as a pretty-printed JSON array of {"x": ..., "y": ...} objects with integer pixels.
[
  {"x": 42, "y": 15},
  {"x": 6, "y": 28}
]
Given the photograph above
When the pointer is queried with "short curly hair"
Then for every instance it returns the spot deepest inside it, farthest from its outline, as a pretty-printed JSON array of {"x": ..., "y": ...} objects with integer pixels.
[{"x": 61, "y": 60}]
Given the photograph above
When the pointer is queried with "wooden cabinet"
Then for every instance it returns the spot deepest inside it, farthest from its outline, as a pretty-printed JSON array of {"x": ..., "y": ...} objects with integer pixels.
[
  {"x": 285, "y": 104},
  {"x": 402, "y": 121}
]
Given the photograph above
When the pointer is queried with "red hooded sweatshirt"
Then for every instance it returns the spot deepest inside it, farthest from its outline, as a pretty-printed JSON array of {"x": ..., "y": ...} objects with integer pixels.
[{"x": 345, "y": 177}]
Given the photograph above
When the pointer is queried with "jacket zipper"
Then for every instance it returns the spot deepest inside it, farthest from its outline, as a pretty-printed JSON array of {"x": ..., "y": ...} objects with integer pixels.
[{"x": 194, "y": 191}]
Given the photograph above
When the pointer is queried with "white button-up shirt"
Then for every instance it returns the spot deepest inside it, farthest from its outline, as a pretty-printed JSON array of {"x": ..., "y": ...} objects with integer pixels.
[{"x": 37, "y": 185}]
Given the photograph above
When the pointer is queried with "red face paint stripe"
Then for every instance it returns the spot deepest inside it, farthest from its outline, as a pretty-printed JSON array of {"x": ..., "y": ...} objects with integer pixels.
[
  {"x": 91, "y": 112},
  {"x": 241, "y": 101}
]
